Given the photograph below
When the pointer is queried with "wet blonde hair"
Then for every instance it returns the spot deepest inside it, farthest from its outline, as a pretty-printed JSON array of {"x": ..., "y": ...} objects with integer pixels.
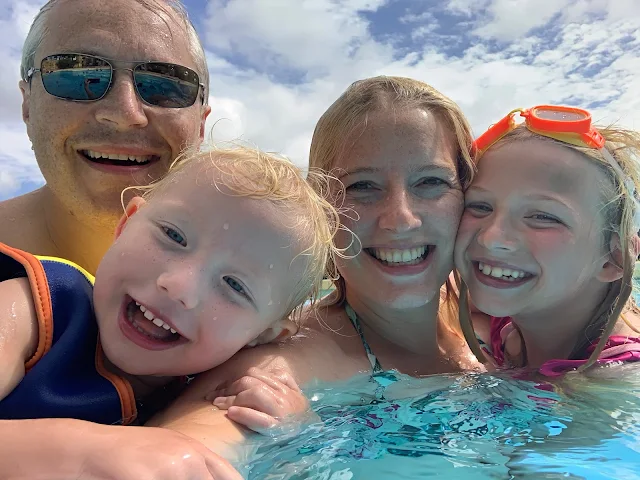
[
  {"x": 337, "y": 131},
  {"x": 620, "y": 209},
  {"x": 247, "y": 172}
]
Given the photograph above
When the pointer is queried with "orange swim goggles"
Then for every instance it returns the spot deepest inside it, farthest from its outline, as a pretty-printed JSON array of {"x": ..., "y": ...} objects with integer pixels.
[{"x": 566, "y": 124}]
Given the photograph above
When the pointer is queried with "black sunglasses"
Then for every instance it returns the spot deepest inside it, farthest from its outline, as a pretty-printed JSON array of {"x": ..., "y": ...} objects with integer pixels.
[{"x": 87, "y": 78}]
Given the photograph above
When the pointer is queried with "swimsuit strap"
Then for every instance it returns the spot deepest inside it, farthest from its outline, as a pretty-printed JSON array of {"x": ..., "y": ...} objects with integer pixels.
[{"x": 355, "y": 321}]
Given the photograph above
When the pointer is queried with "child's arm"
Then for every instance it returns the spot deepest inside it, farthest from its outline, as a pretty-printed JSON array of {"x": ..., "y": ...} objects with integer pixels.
[{"x": 18, "y": 332}]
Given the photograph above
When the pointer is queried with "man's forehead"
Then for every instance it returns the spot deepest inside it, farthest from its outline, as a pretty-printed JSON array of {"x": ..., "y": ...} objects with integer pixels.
[{"x": 113, "y": 27}]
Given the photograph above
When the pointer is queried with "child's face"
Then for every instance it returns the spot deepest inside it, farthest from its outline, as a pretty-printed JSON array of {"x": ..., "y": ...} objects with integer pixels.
[
  {"x": 211, "y": 272},
  {"x": 531, "y": 236}
]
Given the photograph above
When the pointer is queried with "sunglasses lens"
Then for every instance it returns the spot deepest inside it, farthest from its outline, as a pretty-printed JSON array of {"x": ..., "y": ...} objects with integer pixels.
[
  {"x": 75, "y": 77},
  {"x": 167, "y": 85},
  {"x": 560, "y": 115}
]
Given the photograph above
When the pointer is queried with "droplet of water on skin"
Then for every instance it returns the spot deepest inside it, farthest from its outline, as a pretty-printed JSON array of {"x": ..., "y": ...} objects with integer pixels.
[
  {"x": 226, "y": 226},
  {"x": 215, "y": 318}
]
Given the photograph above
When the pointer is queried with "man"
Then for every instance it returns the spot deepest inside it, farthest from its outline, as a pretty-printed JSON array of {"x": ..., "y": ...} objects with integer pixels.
[
  {"x": 91, "y": 142},
  {"x": 94, "y": 134}
]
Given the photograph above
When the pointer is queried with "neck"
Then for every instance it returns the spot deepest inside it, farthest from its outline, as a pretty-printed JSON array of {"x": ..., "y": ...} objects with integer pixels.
[
  {"x": 409, "y": 340},
  {"x": 553, "y": 333},
  {"x": 78, "y": 237},
  {"x": 143, "y": 385}
]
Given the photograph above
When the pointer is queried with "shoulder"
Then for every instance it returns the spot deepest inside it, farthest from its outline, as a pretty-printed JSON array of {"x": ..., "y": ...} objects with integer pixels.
[
  {"x": 628, "y": 324},
  {"x": 23, "y": 224}
]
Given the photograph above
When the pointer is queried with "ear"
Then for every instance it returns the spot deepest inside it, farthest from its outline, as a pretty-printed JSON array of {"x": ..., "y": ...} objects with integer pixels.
[
  {"x": 278, "y": 332},
  {"x": 205, "y": 113},
  {"x": 132, "y": 207},
  {"x": 612, "y": 268},
  {"x": 25, "y": 90}
]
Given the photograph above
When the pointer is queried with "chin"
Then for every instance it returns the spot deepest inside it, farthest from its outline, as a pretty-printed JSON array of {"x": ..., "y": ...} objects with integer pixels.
[{"x": 407, "y": 300}]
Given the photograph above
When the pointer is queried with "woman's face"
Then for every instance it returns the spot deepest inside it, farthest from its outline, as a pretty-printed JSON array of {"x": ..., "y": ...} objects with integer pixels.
[{"x": 401, "y": 180}]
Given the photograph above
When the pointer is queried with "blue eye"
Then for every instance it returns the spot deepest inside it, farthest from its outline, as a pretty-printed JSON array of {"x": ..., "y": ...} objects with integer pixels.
[
  {"x": 478, "y": 207},
  {"x": 233, "y": 283},
  {"x": 360, "y": 186},
  {"x": 174, "y": 235},
  {"x": 543, "y": 217},
  {"x": 432, "y": 182}
]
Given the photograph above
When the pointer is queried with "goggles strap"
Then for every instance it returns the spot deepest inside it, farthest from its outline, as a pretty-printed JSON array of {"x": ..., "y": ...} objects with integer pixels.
[{"x": 629, "y": 185}]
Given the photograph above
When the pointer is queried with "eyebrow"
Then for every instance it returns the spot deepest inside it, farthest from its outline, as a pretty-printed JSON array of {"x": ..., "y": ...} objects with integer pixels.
[
  {"x": 533, "y": 196},
  {"x": 413, "y": 170}
]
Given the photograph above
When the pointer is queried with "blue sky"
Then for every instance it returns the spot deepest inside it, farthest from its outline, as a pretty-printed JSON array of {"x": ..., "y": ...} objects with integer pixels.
[{"x": 277, "y": 64}]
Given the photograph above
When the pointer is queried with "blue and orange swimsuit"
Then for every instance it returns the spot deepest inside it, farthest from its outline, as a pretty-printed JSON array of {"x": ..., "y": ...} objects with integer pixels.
[{"x": 66, "y": 377}]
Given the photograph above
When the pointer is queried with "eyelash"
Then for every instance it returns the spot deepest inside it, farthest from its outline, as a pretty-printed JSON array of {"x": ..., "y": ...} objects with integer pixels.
[
  {"x": 429, "y": 181},
  {"x": 438, "y": 181},
  {"x": 547, "y": 218},
  {"x": 541, "y": 217},
  {"x": 169, "y": 232}
]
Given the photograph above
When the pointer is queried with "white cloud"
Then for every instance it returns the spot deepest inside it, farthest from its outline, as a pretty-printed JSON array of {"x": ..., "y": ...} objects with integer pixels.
[{"x": 276, "y": 66}]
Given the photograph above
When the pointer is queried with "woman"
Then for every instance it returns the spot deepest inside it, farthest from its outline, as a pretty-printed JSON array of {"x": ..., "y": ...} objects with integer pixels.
[{"x": 401, "y": 149}]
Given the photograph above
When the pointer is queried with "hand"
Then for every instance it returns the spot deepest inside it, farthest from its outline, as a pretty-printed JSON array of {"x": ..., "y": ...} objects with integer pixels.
[
  {"x": 260, "y": 400},
  {"x": 148, "y": 453}
]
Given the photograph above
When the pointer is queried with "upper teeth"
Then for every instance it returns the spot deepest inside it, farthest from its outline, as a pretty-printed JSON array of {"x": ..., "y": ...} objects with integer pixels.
[
  {"x": 115, "y": 156},
  {"x": 156, "y": 321},
  {"x": 399, "y": 255},
  {"x": 499, "y": 271}
]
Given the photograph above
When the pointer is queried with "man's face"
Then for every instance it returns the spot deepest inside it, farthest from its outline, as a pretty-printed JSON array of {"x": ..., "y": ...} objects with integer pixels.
[{"x": 66, "y": 134}]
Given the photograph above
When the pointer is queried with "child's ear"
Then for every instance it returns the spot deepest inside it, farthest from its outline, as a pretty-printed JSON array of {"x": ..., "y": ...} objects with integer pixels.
[
  {"x": 277, "y": 332},
  {"x": 612, "y": 268},
  {"x": 132, "y": 207}
]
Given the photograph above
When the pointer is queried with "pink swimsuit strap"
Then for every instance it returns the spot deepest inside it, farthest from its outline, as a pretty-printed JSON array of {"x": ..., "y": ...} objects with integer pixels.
[{"x": 619, "y": 348}]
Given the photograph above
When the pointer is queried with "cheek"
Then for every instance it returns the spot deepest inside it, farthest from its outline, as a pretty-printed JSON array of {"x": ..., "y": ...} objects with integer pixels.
[
  {"x": 445, "y": 213},
  {"x": 180, "y": 131}
]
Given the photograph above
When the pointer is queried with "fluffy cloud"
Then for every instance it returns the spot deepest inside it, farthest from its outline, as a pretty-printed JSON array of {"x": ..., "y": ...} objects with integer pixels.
[{"x": 276, "y": 66}]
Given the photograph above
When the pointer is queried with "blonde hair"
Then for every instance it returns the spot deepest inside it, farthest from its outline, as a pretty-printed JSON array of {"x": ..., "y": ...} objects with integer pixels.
[
  {"x": 620, "y": 212},
  {"x": 248, "y": 172},
  {"x": 334, "y": 135}
]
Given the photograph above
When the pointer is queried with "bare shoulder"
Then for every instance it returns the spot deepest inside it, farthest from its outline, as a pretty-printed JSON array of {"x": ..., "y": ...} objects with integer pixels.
[
  {"x": 628, "y": 324},
  {"x": 23, "y": 224},
  {"x": 18, "y": 324}
]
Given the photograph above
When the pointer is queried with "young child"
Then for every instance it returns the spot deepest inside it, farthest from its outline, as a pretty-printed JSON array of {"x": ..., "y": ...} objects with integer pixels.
[
  {"x": 214, "y": 257},
  {"x": 548, "y": 240}
]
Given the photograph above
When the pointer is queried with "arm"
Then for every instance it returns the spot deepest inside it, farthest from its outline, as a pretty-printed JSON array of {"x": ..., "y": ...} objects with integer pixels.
[
  {"x": 18, "y": 332},
  {"x": 84, "y": 450},
  {"x": 302, "y": 359},
  {"x": 195, "y": 416}
]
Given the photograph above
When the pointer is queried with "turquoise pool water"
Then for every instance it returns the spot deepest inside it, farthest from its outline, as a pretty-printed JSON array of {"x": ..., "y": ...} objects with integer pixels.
[
  {"x": 466, "y": 427},
  {"x": 470, "y": 426}
]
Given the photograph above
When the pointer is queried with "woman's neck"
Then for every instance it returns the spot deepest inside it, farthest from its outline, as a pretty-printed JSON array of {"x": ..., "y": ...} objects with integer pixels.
[{"x": 414, "y": 341}]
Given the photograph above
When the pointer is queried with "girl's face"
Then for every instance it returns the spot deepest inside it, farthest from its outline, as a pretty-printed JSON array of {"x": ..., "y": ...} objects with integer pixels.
[
  {"x": 401, "y": 180},
  {"x": 531, "y": 236}
]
